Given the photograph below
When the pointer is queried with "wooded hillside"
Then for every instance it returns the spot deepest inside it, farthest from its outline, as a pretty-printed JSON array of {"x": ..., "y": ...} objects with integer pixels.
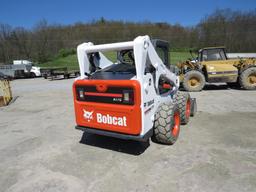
[{"x": 235, "y": 30}]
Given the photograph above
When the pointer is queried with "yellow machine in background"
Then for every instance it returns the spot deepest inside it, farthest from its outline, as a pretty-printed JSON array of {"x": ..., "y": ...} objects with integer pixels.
[
  {"x": 5, "y": 92},
  {"x": 213, "y": 66}
]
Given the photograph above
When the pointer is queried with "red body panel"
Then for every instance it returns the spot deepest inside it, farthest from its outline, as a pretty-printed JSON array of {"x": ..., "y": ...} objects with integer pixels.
[{"x": 110, "y": 117}]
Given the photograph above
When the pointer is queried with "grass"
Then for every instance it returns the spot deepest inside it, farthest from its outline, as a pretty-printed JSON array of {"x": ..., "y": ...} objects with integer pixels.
[
  {"x": 72, "y": 64},
  {"x": 177, "y": 57}
]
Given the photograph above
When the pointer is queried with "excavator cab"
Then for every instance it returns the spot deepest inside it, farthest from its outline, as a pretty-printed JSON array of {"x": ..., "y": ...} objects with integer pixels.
[{"x": 212, "y": 54}]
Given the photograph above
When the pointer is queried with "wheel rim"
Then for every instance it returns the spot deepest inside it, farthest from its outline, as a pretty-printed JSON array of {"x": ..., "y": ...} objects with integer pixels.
[
  {"x": 176, "y": 127},
  {"x": 194, "y": 82},
  {"x": 188, "y": 106},
  {"x": 252, "y": 79}
]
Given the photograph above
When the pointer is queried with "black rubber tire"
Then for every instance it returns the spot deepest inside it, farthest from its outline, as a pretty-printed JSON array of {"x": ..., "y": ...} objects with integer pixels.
[
  {"x": 184, "y": 103},
  {"x": 193, "y": 74},
  {"x": 77, "y": 74},
  {"x": 193, "y": 108},
  {"x": 243, "y": 79},
  {"x": 32, "y": 75},
  {"x": 164, "y": 124},
  {"x": 66, "y": 76}
]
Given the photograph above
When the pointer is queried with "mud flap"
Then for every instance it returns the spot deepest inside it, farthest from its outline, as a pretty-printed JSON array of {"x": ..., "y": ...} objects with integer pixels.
[{"x": 193, "y": 107}]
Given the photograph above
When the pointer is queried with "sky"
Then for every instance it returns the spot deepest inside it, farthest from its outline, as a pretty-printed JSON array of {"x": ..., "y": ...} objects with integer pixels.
[{"x": 26, "y": 13}]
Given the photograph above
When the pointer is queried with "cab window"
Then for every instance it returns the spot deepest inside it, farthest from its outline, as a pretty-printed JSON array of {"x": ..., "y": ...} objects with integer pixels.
[
  {"x": 162, "y": 53},
  {"x": 213, "y": 55}
]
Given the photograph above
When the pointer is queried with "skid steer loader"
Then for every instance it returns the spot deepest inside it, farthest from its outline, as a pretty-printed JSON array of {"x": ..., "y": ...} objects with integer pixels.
[{"x": 134, "y": 98}]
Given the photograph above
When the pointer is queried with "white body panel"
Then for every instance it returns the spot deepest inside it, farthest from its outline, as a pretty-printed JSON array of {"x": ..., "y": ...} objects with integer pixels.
[
  {"x": 143, "y": 52},
  {"x": 241, "y": 55},
  {"x": 36, "y": 71},
  {"x": 19, "y": 62}
]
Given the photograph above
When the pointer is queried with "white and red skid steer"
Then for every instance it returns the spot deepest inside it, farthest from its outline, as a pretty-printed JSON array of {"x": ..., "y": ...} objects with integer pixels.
[{"x": 135, "y": 97}]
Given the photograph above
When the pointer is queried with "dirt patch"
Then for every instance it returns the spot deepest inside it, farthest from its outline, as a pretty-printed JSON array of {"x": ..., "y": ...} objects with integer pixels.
[{"x": 41, "y": 151}]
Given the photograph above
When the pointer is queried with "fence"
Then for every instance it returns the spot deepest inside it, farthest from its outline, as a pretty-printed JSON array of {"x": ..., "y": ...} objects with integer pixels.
[{"x": 5, "y": 92}]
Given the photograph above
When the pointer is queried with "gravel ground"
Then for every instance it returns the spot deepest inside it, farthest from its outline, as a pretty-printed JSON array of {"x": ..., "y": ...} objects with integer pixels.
[{"x": 41, "y": 151}]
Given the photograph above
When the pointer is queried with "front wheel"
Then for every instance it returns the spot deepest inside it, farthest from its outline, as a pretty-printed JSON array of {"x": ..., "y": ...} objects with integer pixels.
[
  {"x": 167, "y": 124},
  {"x": 247, "y": 79},
  {"x": 184, "y": 103},
  {"x": 32, "y": 75},
  {"x": 193, "y": 81}
]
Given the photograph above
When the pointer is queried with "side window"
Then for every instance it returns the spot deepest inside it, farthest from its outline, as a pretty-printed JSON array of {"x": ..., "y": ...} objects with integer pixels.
[
  {"x": 204, "y": 55},
  {"x": 222, "y": 54},
  {"x": 213, "y": 55},
  {"x": 162, "y": 53}
]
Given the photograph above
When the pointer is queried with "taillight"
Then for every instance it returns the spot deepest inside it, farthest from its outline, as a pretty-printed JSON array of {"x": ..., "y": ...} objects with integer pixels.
[
  {"x": 128, "y": 97},
  {"x": 80, "y": 94}
]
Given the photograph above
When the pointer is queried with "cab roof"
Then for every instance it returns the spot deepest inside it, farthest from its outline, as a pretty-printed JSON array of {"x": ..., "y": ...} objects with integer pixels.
[{"x": 206, "y": 48}]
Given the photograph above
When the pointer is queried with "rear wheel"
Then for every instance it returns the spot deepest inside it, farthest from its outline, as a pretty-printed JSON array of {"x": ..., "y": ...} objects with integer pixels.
[
  {"x": 184, "y": 103},
  {"x": 77, "y": 74},
  {"x": 167, "y": 124},
  {"x": 193, "y": 81},
  {"x": 247, "y": 79}
]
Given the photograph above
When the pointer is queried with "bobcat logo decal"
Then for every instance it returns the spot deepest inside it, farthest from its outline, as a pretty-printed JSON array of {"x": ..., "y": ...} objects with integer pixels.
[{"x": 88, "y": 115}]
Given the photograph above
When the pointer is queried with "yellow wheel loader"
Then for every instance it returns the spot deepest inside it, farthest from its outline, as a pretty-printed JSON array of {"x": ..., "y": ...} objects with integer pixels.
[{"x": 213, "y": 66}]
